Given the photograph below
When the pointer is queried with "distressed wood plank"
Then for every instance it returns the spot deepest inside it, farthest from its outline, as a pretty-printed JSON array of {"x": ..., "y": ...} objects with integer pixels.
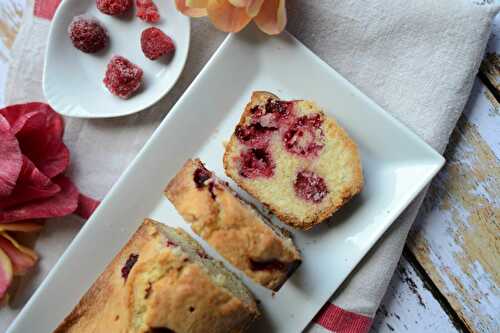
[
  {"x": 457, "y": 234},
  {"x": 490, "y": 67},
  {"x": 409, "y": 306}
]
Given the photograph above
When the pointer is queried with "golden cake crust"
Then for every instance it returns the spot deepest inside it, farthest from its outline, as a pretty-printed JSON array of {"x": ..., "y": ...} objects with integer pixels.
[
  {"x": 163, "y": 290},
  {"x": 232, "y": 227},
  {"x": 349, "y": 160}
]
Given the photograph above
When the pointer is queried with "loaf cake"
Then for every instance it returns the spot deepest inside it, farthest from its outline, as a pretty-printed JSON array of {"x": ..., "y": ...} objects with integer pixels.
[
  {"x": 294, "y": 159},
  {"x": 163, "y": 281},
  {"x": 231, "y": 226}
]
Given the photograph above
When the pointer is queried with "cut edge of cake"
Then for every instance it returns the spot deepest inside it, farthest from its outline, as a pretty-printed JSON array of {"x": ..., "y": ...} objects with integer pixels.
[
  {"x": 354, "y": 188},
  {"x": 95, "y": 302},
  {"x": 202, "y": 205}
]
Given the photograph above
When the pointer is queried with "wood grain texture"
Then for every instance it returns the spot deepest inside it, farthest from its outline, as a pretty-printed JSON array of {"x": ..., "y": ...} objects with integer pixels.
[
  {"x": 490, "y": 67},
  {"x": 409, "y": 306},
  {"x": 457, "y": 234}
]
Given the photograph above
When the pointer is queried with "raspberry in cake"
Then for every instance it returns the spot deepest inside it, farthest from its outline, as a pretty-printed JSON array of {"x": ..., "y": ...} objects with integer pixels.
[
  {"x": 163, "y": 281},
  {"x": 294, "y": 159},
  {"x": 155, "y": 43},
  {"x": 113, "y": 7},
  {"x": 87, "y": 34},
  {"x": 235, "y": 229},
  {"x": 122, "y": 78}
]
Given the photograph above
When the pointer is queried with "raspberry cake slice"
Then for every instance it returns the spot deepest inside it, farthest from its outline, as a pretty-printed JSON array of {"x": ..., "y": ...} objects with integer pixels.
[
  {"x": 294, "y": 159},
  {"x": 163, "y": 281},
  {"x": 232, "y": 227}
]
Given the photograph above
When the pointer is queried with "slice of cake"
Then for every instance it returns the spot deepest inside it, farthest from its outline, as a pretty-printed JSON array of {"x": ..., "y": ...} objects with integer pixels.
[
  {"x": 163, "y": 281},
  {"x": 294, "y": 159},
  {"x": 232, "y": 227}
]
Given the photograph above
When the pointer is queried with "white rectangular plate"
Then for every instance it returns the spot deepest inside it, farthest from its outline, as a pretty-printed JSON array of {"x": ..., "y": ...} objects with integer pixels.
[{"x": 397, "y": 165}]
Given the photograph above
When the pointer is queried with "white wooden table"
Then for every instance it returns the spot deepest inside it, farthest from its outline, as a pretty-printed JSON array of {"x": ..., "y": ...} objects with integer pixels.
[{"x": 448, "y": 278}]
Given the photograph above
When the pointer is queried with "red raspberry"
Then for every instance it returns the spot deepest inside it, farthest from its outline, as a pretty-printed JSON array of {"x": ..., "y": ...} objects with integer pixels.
[
  {"x": 310, "y": 187},
  {"x": 256, "y": 162},
  {"x": 267, "y": 265},
  {"x": 305, "y": 137},
  {"x": 87, "y": 34},
  {"x": 200, "y": 176},
  {"x": 155, "y": 43},
  {"x": 131, "y": 260},
  {"x": 147, "y": 11},
  {"x": 254, "y": 135},
  {"x": 122, "y": 78},
  {"x": 113, "y": 7}
]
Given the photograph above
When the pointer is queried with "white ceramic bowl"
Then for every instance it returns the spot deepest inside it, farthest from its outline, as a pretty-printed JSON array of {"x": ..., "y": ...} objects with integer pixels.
[{"x": 72, "y": 80}]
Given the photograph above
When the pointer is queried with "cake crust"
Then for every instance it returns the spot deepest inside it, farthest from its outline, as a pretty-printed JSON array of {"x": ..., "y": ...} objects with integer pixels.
[
  {"x": 336, "y": 137},
  {"x": 162, "y": 290},
  {"x": 231, "y": 226}
]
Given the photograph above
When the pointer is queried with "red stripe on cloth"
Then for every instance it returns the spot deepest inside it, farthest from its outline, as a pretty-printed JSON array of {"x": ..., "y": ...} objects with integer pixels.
[
  {"x": 338, "y": 320},
  {"x": 46, "y": 8}
]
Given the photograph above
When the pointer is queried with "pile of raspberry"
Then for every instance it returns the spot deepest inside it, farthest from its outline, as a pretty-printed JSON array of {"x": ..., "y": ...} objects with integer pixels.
[{"x": 123, "y": 78}]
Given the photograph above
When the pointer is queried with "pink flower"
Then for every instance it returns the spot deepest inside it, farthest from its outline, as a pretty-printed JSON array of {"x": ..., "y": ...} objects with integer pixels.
[
  {"x": 234, "y": 15},
  {"x": 33, "y": 158}
]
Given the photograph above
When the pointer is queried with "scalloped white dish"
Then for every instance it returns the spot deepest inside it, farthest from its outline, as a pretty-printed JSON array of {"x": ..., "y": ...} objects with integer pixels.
[
  {"x": 397, "y": 166},
  {"x": 72, "y": 80}
]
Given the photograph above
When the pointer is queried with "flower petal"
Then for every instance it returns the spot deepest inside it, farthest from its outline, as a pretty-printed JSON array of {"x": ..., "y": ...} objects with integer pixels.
[
  {"x": 22, "y": 258},
  {"x": 253, "y": 7},
  {"x": 11, "y": 159},
  {"x": 6, "y": 273},
  {"x": 272, "y": 17},
  {"x": 193, "y": 12},
  {"x": 31, "y": 184},
  {"x": 226, "y": 17},
  {"x": 16, "y": 115},
  {"x": 239, "y": 3},
  {"x": 45, "y": 149},
  {"x": 197, "y": 3},
  {"x": 63, "y": 203},
  {"x": 4, "y": 124},
  {"x": 39, "y": 130},
  {"x": 55, "y": 123},
  {"x": 86, "y": 206},
  {"x": 22, "y": 226}
]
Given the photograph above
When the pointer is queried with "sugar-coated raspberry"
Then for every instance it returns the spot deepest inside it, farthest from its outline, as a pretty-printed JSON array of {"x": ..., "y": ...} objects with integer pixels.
[
  {"x": 155, "y": 43},
  {"x": 122, "y": 78},
  {"x": 113, "y": 7},
  {"x": 87, "y": 34},
  {"x": 256, "y": 163},
  {"x": 310, "y": 187},
  {"x": 305, "y": 137},
  {"x": 147, "y": 11}
]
